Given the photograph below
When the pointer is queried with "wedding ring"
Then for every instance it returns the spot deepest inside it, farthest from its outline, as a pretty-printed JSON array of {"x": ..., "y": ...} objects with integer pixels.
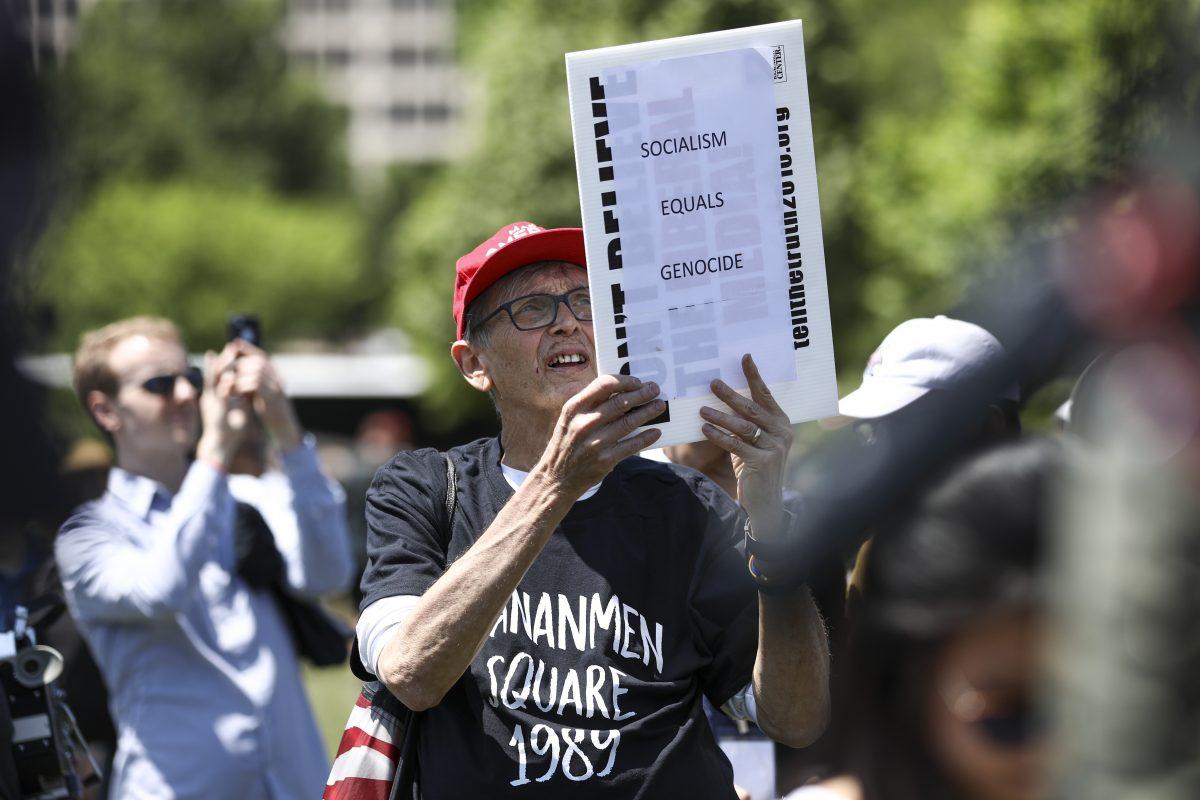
[{"x": 757, "y": 433}]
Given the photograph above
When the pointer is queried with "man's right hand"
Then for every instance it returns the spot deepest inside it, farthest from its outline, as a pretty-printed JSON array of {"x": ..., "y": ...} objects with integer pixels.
[
  {"x": 223, "y": 414},
  {"x": 589, "y": 439},
  {"x": 420, "y": 662}
]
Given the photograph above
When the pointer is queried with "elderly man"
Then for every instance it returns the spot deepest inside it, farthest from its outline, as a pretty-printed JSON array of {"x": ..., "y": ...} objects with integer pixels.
[
  {"x": 560, "y": 627},
  {"x": 199, "y": 662}
]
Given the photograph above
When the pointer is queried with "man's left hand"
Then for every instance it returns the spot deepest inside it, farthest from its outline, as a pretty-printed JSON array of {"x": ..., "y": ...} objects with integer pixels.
[
  {"x": 758, "y": 435},
  {"x": 258, "y": 380}
]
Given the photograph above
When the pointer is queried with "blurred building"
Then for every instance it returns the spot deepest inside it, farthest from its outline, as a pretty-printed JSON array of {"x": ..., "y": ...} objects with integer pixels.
[{"x": 391, "y": 63}]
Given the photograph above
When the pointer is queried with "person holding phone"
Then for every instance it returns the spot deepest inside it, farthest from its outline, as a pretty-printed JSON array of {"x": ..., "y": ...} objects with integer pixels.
[{"x": 199, "y": 661}]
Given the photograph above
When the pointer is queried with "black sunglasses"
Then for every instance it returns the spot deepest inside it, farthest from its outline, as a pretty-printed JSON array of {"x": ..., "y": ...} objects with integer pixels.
[
  {"x": 1014, "y": 723},
  {"x": 164, "y": 385},
  {"x": 1013, "y": 727},
  {"x": 533, "y": 311}
]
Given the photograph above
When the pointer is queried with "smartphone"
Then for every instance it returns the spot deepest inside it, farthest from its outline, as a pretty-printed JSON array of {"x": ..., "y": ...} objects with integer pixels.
[{"x": 245, "y": 326}]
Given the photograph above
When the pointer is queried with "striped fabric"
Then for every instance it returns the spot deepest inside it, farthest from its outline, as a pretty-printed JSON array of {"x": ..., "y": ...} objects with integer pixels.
[{"x": 367, "y": 756}]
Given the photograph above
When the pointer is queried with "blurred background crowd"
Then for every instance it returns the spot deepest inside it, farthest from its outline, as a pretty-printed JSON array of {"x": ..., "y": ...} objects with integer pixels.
[{"x": 322, "y": 163}]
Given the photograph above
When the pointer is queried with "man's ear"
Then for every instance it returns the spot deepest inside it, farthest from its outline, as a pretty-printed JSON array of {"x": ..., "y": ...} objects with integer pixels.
[
  {"x": 472, "y": 364},
  {"x": 103, "y": 411}
]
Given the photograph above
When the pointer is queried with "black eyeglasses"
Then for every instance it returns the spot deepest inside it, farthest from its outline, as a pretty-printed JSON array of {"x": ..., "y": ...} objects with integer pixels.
[
  {"x": 535, "y": 311},
  {"x": 165, "y": 384}
]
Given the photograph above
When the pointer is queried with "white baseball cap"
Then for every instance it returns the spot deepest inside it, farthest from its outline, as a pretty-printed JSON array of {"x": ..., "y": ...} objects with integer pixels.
[{"x": 918, "y": 356}]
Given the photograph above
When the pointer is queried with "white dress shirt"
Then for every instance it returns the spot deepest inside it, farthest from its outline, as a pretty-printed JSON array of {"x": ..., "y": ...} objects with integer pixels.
[{"x": 202, "y": 673}]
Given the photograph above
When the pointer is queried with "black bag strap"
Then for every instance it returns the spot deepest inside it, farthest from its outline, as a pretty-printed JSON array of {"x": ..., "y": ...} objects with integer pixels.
[
  {"x": 405, "y": 786},
  {"x": 451, "y": 495}
]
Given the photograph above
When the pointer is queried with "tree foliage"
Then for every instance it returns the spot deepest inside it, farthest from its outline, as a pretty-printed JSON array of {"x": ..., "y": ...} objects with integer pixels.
[
  {"x": 194, "y": 253},
  {"x": 182, "y": 88},
  {"x": 198, "y": 174},
  {"x": 1036, "y": 106}
]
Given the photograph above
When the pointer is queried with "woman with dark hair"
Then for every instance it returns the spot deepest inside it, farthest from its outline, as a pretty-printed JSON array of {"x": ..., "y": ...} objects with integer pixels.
[{"x": 937, "y": 696}]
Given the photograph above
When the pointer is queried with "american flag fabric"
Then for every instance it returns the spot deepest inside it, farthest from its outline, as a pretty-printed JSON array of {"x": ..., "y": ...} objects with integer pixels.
[{"x": 368, "y": 755}]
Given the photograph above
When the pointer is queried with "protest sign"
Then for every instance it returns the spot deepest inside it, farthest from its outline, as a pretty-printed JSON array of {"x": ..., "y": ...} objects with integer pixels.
[{"x": 698, "y": 189}]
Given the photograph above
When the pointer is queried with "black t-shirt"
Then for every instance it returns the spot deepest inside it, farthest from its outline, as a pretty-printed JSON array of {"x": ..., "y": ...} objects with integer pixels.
[{"x": 590, "y": 682}]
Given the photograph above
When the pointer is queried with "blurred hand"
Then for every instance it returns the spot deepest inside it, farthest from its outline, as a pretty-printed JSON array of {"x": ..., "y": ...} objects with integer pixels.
[
  {"x": 257, "y": 380},
  {"x": 758, "y": 435},
  {"x": 588, "y": 440},
  {"x": 223, "y": 413}
]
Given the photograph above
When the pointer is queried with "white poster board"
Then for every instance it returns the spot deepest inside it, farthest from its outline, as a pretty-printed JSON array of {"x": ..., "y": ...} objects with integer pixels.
[{"x": 698, "y": 189}]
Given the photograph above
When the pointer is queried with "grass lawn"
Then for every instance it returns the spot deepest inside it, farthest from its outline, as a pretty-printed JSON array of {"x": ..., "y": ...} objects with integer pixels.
[{"x": 332, "y": 692}]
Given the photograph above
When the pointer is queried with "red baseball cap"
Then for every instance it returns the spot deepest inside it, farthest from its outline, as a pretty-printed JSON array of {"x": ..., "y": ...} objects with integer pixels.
[{"x": 511, "y": 247}]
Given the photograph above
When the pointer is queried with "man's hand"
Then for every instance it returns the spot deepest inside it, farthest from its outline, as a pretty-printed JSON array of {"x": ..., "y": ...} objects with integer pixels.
[
  {"x": 222, "y": 412},
  {"x": 588, "y": 440},
  {"x": 791, "y": 668},
  {"x": 758, "y": 435},
  {"x": 257, "y": 380},
  {"x": 421, "y": 662}
]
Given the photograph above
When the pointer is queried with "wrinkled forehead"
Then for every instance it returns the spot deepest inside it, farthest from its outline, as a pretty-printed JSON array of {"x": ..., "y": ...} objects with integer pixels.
[{"x": 544, "y": 276}]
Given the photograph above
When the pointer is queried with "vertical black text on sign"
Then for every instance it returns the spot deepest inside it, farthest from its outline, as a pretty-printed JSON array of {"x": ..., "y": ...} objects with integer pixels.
[
  {"x": 791, "y": 232},
  {"x": 612, "y": 227}
]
